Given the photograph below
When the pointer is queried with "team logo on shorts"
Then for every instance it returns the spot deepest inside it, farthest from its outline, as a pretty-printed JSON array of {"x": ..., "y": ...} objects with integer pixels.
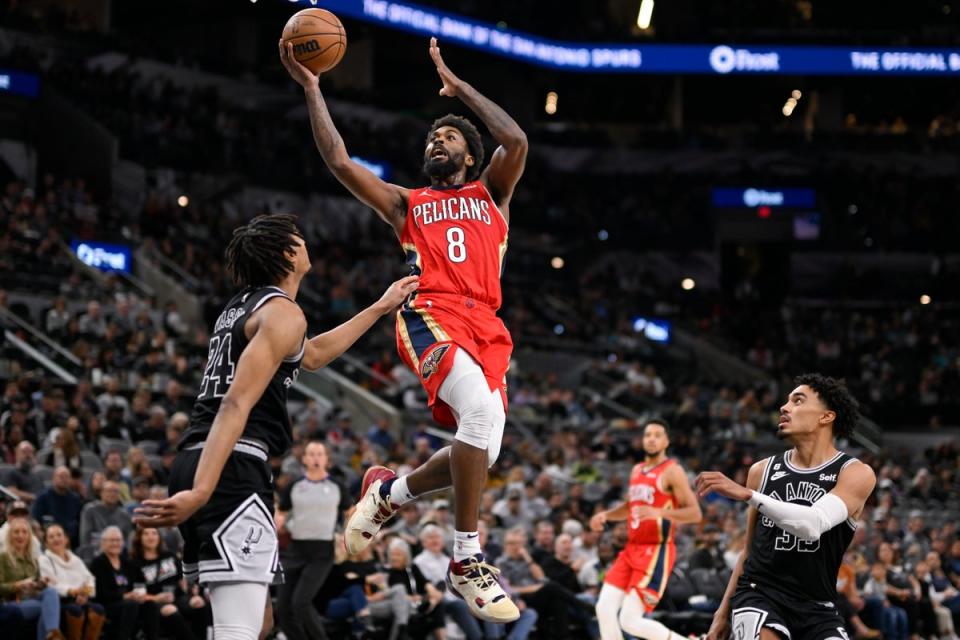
[
  {"x": 651, "y": 599},
  {"x": 252, "y": 540},
  {"x": 431, "y": 362}
]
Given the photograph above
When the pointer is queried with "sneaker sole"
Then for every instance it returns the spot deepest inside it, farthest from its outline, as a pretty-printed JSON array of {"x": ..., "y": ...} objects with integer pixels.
[{"x": 368, "y": 479}]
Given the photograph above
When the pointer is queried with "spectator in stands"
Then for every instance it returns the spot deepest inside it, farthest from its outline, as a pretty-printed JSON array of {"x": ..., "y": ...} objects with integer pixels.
[
  {"x": 382, "y": 602},
  {"x": 543, "y": 541},
  {"x": 65, "y": 571},
  {"x": 60, "y": 505},
  {"x": 708, "y": 554},
  {"x": 155, "y": 427},
  {"x": 139, "y": 492},
  {"x": 57, "y": 317},
  {"x": 439, "y": 515},
  {"x": 121, "y": 590},
  {"x": 64, "y": 451},
  {"x": 18, "y": 509},
  {"x": 946, "y": 593},
  {"x": 48, "y": 416},
  {"x": 161, "y": 573},
  {"x": 111, "y": 396},
  {"x": 494, "y": 550},
  {"x": 942, "y": 623},
  {"x": 553, "y": 603},
  {"x": 105, "y": 512},
  {"x": 892, "y": 619},
  {"x": 115, "y": 425},
  {"x": 113, "y": 470},
  {"x": 92, "y": 324},
  {"x": 561, "y": 569},
  {"x": 510, "y": 510},
  {"x": 407, "y": 526},
  {"x": 173, "y": 398},
  {"x": 425, "y": 599},
  {"x": 21, "y": 586},
  {"x": 850, "y": 602},
  {"x": 21, "y": 480}
]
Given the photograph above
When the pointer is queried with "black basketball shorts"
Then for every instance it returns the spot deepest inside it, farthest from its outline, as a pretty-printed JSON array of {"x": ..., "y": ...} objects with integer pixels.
[
  {"x": 232, "y": 538},
  {"x": 754, "y": 607}
]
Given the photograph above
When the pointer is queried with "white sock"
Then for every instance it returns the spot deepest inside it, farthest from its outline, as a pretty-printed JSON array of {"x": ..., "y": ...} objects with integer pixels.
[
  {"x": 400, "y": 492},
  {"x": 465, "y": 544}
]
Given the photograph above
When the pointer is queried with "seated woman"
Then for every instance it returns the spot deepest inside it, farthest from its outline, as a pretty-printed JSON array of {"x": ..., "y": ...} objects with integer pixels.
[
  {"x": 21, "y": 586},
  {"x": 165, "y": 584},
  {"x": 126, "y": 607},
  {"x": 64, "y": 571}
]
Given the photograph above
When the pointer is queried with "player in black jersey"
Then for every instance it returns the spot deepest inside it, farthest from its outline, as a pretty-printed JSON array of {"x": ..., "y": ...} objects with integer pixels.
[
  {"x": 803, "y": 509},
  {"x": 220, "y": 482}
]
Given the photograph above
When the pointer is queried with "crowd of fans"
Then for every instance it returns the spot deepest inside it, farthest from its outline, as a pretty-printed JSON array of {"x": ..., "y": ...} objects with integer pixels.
[{"x": 901, "y": 574}]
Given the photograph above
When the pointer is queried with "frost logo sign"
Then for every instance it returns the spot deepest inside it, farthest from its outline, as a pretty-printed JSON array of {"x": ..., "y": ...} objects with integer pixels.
[{"x": 724, "y": 59}]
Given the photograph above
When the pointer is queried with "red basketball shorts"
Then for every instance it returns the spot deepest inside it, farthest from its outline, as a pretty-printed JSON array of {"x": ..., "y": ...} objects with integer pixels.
[
  {"x": 644, "y": 567},
  {"x": 430, "y": 329}
]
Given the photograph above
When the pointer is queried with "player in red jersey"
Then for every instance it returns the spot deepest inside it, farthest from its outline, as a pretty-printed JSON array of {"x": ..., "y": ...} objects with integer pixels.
[
  {"x": 454, "y": 235},
  {"x": 659, "y": 498}
]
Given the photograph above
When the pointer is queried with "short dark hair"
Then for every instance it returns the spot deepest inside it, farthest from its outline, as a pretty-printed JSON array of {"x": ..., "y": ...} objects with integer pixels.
[
  {"x": 658, "y": 421},
  {"x": 834, "y": 395},
  {"x": 470, "y": 134},
  {"x": 259, "y": 252}
]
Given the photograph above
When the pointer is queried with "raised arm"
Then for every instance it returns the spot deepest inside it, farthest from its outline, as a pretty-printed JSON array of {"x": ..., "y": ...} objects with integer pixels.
[
  {"x": 277, "y": 335},
  {"x": 507, "y": 163},
  {"x": 388, "y": 200}
]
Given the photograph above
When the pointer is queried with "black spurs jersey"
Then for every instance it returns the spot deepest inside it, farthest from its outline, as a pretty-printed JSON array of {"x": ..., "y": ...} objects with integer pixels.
[
  {"x": 268, "y": 421},
  {"x": 781, "y": 561}
]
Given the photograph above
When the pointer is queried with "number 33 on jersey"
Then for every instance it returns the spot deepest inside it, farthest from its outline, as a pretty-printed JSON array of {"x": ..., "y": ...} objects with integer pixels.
[{"x": 455, "y": 239}]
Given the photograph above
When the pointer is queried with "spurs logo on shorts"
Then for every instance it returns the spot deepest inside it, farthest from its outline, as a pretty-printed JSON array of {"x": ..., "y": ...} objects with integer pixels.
[
  {"x": 252, "y": 539},
  {"x": 431, "y": 361},
  {"x": 246, "y": 543}
]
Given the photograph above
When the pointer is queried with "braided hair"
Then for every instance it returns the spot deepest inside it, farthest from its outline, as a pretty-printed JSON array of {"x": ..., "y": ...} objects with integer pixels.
[{"x": 259, "y": 254}]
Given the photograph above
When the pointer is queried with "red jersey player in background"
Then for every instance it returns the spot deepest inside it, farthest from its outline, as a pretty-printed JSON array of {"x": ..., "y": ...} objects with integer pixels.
[
  {"x": 659, "y": 498},
  {"x": 454, "y": 235}
]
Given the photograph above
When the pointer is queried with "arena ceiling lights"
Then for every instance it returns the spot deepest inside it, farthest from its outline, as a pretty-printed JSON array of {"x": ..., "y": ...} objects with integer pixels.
[{"x": 715, "y": 59}]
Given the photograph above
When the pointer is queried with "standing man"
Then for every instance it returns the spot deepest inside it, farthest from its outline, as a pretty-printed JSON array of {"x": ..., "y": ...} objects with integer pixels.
[
  {"x": 454, "y": 235},
  {"x": 804, "y": 505},
  {"x": 221, "y": 483},
  {"x": 309, "y": 508},
  {"x": 659, "y": 498}
]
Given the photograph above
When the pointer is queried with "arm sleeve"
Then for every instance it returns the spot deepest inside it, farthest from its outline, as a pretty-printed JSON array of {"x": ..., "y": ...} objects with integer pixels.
[{"x": 807, "y": 523}]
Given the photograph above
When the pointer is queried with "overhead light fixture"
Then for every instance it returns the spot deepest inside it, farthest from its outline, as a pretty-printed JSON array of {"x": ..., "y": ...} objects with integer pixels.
[
  {"x": 557, "y": 262},
  {"x": 925, "y": 299},
  {"x": 687, "y": 284},
  {"x": 645, "y": 16},
  {"x": 183, "y": 201}
]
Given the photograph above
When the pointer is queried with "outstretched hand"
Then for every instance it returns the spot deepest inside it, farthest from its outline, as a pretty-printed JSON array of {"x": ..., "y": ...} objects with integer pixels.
[
  {"x": 170, "y": 512},
  {"x": 451, "y": 83},
  {"x": 716, "y": 482},
  {"x": 399, "y": 291},
  {"x": 297, "y": 71}
]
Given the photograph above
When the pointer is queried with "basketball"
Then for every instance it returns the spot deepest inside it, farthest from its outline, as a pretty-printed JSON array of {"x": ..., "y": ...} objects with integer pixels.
[{"x": 319, "y": 39}]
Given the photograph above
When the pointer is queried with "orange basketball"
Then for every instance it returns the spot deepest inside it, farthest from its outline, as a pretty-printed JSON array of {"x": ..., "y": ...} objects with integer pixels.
[{"x": 319, "y": 39}]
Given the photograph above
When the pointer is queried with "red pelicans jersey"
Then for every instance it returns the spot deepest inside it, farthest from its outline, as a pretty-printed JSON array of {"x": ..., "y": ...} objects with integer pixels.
[
  {"x": 646, "y": 489},
  {"x": 455, "y": 239}
]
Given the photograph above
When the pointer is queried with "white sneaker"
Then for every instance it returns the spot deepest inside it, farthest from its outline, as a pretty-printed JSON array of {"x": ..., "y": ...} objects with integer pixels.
[
  {"x": 476, "y": 583},
  {"x": 371, "y": 512}
]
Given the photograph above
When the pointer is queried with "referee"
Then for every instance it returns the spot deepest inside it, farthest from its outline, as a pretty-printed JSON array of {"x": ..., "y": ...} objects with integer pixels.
[{"x": 309, "y": 508}]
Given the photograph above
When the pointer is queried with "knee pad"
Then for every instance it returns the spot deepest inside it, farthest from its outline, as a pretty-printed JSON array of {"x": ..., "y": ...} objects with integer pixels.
[{"x": 499, "y": 415}]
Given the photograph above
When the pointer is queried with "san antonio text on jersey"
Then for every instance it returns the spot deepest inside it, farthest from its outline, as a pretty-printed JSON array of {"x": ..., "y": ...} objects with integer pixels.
[
  {"x": 781, "y": 561},
  {"x": 268, "y": 421}
]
